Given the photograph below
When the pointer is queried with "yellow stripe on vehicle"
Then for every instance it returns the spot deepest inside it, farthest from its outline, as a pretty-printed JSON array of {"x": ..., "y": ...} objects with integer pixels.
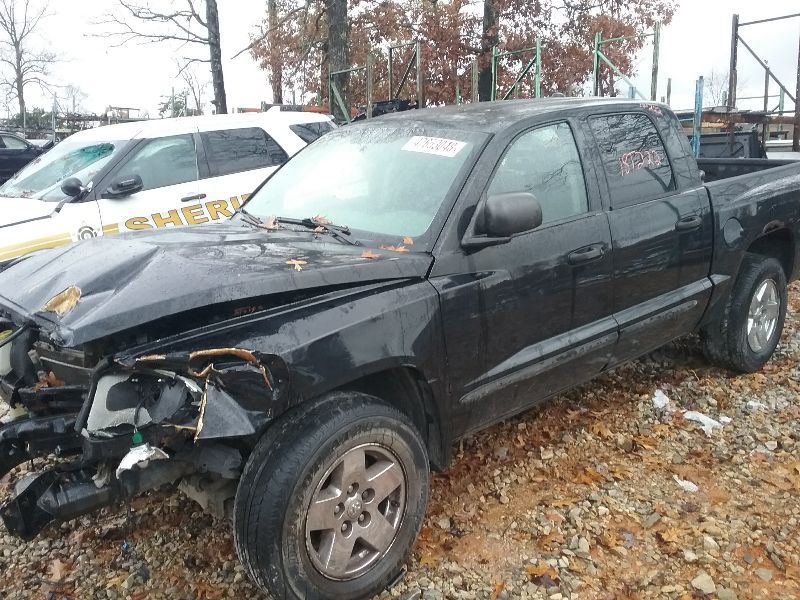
[
  {"x": 111, "y": 229},
  {"x": 9, "y": 252}
]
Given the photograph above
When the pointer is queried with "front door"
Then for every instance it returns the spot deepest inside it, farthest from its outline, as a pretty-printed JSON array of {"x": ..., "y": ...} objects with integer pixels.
[
  {"x": 530, "y": 317},
  {"x": 169, "y": 196}
]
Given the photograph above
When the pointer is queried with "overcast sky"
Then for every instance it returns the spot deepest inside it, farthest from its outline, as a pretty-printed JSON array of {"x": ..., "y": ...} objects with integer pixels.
[{"x": 697, "y": 41}]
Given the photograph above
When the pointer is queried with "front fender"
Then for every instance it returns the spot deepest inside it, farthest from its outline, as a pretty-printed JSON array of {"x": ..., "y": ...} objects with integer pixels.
[{"x": 324, "y": 343}]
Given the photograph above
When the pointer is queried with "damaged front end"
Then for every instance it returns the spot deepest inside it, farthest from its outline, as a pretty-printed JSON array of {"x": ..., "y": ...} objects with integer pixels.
[{"x": 122, "y": 424}]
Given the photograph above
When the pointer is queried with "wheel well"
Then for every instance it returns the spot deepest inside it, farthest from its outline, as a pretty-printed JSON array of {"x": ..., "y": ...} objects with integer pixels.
[
  {"x": 777, "y": 244},
  {"x": 408, "y": 391}
]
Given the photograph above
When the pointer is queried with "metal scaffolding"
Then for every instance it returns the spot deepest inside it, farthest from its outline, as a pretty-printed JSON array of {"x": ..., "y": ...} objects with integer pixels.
[
  {"x": 336, "y": 95},
  {"x": 599, "y": 57},
  {"x": 736, "y": 39},
  {"x": 472, "y": 70},
  {"x": 534, "y": 63},
  {"x": 415, "y": 62}
]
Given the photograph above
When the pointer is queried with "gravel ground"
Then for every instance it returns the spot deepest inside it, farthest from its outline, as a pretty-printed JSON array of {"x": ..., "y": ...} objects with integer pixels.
[{"x": 603, "y": 493}]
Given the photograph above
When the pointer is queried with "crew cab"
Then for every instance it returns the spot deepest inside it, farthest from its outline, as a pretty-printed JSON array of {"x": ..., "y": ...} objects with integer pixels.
[
  {"x": 144, "y": 175},
  {"x": 301, "y": 366}
]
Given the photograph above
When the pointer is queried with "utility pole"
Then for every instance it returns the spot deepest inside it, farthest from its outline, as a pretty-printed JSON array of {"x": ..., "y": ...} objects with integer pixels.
[
  {"x": 765, "y": 127},
  {"x": 732, "y": 75}
]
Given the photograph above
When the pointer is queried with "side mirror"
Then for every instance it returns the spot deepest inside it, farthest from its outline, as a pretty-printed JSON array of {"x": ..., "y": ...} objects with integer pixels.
[
  {"x": 124, "y": 186},
  {"x": 502, "y": 215},
  {"x": 72, "y": 187}
]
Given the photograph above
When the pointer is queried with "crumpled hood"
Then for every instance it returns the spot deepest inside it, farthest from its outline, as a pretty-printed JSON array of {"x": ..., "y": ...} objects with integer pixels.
[
  {"x": 129, "y": 280},
  {"x": 19, "y": 210}
]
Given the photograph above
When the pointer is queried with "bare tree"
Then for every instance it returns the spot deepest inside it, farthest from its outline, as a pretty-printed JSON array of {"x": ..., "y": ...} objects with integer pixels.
[
  {"x": 195, "y": 88},
  {"x": 75, "y": 97},
  {"x": 715, "y": 88},
  {"x": 22, "y": 64},
  {"x": 186, "y": 25}
]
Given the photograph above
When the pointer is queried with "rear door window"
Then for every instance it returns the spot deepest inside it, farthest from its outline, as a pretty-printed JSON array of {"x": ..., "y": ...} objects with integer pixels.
[
  {"x": 634, "y": 159},
  {"x": 236, "y": 150},
  {"x": 308, "y": 132}
]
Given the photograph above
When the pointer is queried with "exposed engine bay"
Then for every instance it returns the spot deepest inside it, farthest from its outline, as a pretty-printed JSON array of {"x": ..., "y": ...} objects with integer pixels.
[{"x": 123, "y": 423}]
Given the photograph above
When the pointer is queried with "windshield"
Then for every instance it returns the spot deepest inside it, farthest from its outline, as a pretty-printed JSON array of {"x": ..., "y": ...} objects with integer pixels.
[
  {"x": 383, "y": 180},
  {"x": 41, "y": 179}
]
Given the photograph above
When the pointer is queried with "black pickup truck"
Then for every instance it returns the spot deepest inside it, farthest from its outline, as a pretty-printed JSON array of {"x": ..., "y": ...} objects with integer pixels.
[{"x": 301, "y": 376}]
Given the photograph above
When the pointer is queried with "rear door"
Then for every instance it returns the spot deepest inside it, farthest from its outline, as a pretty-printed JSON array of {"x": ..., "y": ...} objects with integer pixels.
[
  {"x": 169, "y": 196},
  {"x": 661, "y": 229},
  {"x": 235, "y": 162}
]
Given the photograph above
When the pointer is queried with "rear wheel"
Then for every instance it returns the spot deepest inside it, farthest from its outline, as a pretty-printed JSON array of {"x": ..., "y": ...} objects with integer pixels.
[
  {"x": 746, "y": 335},
  {"x": 330, "y": 507}
]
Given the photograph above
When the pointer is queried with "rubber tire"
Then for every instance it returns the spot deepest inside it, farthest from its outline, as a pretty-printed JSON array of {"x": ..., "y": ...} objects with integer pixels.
[
  {"x": 725, "y": 340},
  {"x": 284, "y": 468}
]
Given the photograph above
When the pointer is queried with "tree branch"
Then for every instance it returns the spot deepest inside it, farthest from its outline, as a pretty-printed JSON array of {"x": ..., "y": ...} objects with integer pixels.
[{"x": 265, "y": 33}]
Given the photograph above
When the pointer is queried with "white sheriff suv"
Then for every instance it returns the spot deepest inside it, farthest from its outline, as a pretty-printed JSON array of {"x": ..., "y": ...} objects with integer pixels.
[{"x": 147, "y": 174}]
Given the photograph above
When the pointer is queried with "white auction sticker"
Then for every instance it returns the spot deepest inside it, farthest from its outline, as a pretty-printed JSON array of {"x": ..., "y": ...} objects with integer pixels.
[{"x": 434, "y": 145}]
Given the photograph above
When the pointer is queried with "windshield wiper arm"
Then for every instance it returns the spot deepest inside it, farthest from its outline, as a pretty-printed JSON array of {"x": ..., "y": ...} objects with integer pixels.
[
  {"x": 340, "y": 232},
  {"x": 250, "y": 218}
]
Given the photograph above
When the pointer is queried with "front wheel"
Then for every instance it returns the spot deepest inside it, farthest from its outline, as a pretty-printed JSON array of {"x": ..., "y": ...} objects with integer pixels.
[
  {"x": 330, "y": 506},
  {"x": 750, "y": 328}
]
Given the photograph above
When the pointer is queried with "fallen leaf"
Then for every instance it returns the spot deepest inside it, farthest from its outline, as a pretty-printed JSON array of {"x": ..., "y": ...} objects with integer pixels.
[
  {"x": 564, "y": 502},
  {"x": 601, "y": 429},
  {"x": 619, "y": 472},
  {"x": 76, "y": 537},
  {"x": 430, "y": 560},
  {"x": 59, "y": 570},
  {"x": 644, "y": 442},
  {"x": 270, "y": 223},
  {"x": 717, "y": 495},
  {"x": 540, "y": 570},
  {"x": 670, "y": 535},
  {"x": 116, "y": 581},
  {"x": 498, "y": 588},
  {"x": 395, "y": 248},
  {"x": 589, "y": 476},
  {"x": 297, "y": 264},
  {"x": 607, "y": 539},
  {"x": 408, "y": 241},
  {"x": 321, "y": 220},
  {"x": 369, "y": 254},
  {"x": 320, "y": 229}
]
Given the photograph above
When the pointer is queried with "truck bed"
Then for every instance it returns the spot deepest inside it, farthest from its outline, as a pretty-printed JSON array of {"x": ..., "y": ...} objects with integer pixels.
[
  {"x": 752, "y": 198},
  {"x": 724, "y": 168}
]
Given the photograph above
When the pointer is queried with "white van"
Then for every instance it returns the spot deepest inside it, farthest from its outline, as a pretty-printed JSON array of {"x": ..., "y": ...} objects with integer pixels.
[{"x": 147, "y": 174}]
